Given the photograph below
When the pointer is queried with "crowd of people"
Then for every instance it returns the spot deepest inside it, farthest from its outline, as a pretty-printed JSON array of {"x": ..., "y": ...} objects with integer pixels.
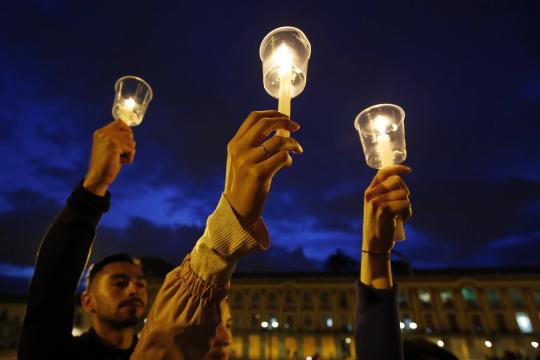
[{"x": 190, "y": 317}]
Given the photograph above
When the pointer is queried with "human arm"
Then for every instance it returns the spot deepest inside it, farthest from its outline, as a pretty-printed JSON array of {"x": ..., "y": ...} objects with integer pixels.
[
  {"x": 185, "y": 315},
  {"x": 377, "y": 331},
  {"x": 61, "y": 258}
]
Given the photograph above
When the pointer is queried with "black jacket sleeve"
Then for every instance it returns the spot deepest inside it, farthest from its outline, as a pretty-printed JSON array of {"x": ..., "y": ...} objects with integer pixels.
[
  {"x": 61, "y": 259},
  {"x": 377, "y": 333}
]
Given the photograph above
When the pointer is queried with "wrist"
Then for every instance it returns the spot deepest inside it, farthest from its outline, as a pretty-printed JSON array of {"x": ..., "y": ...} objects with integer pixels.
[{"x": 94, "y": 187}]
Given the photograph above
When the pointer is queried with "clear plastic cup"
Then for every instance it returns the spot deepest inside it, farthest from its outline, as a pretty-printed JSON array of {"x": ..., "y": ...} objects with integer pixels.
[
  {"x": 382, "y": 134},
  {"x": 133, "y": 95},
  {"x": 285, "y": 50}
]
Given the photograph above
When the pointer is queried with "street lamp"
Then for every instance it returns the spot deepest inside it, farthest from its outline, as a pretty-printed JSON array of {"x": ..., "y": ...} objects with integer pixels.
[{"x": 270, "y": 325}]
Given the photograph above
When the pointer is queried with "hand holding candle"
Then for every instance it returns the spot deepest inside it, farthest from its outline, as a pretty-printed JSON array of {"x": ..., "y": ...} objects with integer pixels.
[
  {"x": 284, "y": 53},
  {"x": 131, "y": 100},
  {"x": 382, "y": 134}
]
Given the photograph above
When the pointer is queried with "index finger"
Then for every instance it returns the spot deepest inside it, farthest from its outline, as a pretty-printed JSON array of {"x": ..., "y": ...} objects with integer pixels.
[
  {"x": 253, "y": 117},
  {"x": 386, "y": 172},
  {"x": 119, "y": 125}
]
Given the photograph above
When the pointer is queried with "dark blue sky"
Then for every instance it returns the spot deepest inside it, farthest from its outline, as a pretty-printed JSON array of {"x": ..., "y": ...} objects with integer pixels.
[{"x": 466, "y": 73}]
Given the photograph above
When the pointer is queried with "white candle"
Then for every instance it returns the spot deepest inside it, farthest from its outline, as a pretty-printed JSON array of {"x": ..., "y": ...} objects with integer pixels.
[
  {"x": 283, "y": 58},
  {"x": 386, "y": 157},
  {"x": 127, "y": 111}
]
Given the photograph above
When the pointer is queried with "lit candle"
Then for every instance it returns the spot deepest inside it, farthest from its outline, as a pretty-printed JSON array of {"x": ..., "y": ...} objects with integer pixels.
[
  {"x": 386, "y": 157},
  {"x": 127, "y": 111},
  {"x": 283, "y": 58},
  {"x": 384, "y": 146}
]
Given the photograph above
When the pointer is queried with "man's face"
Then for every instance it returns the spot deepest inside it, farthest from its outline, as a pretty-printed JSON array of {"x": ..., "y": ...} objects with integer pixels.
[
  {"x": 118, "y": 295},
  {"x": 222, "y": 342}
]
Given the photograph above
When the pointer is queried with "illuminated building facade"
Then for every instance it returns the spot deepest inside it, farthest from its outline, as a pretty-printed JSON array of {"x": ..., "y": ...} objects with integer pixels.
[{"x": 473, "y": 313}]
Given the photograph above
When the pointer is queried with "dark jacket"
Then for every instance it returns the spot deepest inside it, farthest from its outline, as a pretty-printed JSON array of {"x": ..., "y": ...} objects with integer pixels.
[{"x": 61, "y": 259}]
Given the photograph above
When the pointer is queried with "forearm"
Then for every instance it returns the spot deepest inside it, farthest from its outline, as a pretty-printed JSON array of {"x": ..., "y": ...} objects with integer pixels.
[
  {"x": 185, "y": 314},
  {"x": 61, "y": 258},
  {"x": 376, "y": 271}
]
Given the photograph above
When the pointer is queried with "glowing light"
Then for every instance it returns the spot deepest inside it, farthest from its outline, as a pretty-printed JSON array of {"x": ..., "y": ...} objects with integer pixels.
[
  {"x": 283, "y": 59},
  {"x": 534, "y": 344},
  {"x": 381, "y": 123},
  {"x": 488, "y": 343},
  {"x": 129, "y": 104},
  {"x": 76, "y": 331},
  {"x": 309, "y": 358},
  {"x": 401, "y": 325},
  {"x": 440, "y": 343},
  {"x": 264, "y": 324},
  {"x": 275, "y": 324},
  {"x": 413, "y": 325},
  {"x": 329, "y": 322},
  {"x": 348, "y": 340}
]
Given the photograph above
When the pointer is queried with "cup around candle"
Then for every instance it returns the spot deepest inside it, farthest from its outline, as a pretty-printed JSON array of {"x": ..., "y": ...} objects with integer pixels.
[
  {"x": 133, "y": 95},
  {"x": 285, "y": 50},
  {"x": 382, "y": 134}
]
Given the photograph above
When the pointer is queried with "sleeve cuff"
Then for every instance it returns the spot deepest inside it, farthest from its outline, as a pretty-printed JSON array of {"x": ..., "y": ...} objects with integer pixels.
[
  {"x": 215, "y": 255},
  {"x": 84, "y": 199}
]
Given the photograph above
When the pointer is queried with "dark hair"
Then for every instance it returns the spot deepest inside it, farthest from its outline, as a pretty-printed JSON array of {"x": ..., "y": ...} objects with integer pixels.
[
  {"x": 95, "y": 268},
  {"x": 421, "y": 349}
]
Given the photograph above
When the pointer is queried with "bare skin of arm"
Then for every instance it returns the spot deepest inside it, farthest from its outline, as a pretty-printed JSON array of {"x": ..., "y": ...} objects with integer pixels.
[{"x": 386, "y": 198}]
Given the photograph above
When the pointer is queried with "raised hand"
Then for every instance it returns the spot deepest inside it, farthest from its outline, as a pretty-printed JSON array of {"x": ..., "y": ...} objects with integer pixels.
[
  {"x": 253, "y": 162},
  {"x": 113, "y": 145}
]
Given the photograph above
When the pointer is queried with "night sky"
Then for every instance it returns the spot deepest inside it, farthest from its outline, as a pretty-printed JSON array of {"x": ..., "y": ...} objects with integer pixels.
[{"x": 466, "y": 73}]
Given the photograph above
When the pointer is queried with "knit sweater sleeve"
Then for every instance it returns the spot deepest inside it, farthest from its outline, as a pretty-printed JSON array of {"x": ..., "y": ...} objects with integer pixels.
[{"x": 185, "y": 314}]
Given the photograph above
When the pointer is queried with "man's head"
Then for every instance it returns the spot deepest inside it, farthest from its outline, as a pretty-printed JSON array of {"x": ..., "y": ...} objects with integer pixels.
[
  {"x": 222, "y": 342},
  {"x": 116, "y": 292}
]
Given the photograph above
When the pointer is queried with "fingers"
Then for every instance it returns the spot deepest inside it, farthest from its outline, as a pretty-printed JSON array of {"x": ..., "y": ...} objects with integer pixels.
[
  {"x": 391, "y": 196},
  {"x": 386, "y": 172},
  {"x": 397, "y": 207},
  {"x": 253, "y": 117},
  {"x": 264, "y": 126},
  {"x": 273, "y": 164},
  {"x": 390, "y": 184},
  {"x": 273, "y": 146}
]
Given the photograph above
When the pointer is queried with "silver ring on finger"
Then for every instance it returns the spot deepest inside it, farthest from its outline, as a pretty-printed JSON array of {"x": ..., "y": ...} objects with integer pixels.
[{"x": 266, "y": 153}]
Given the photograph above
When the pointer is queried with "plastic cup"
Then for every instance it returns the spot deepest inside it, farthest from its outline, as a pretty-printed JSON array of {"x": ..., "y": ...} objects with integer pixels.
[{"x": 133, "y": 95}]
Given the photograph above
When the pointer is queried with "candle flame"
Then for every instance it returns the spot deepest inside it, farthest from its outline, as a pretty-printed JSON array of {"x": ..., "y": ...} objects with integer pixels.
[
  {"x": 381, "y": 124},
  {"x": 129, "y": 104},
  {"x": 283, "y": 58}
]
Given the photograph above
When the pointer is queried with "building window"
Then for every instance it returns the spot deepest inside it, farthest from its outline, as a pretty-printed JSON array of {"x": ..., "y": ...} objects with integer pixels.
[
  {"x": 308, "y": 323},
  {"x": 289, "y": 322},
  {"x": 307, "y": 298},
  {"x": 272, "y": 298},
  {"x": 343, "y": 301},
  {"x": 493, "y": 298},
  {"x": 346, "y": 323},
  {"x": 430, "y": 325},
  {"x": 501, "y": 323},
  {"x": 238, "y": 297},
  {"x": 452, "y": 322},
  {"x": 255, "y": 298},
  {"x": 289, "y": 298},
  {"x": 469, "y": 295},
  {"x": 324, "y": 298},
  {"x": 237, "y": 320},
  {"x": 447, "y": 298},
  {"x": 425, "y": 297},
  {"x": 255, "y": 321},
  {"x": 478, "y": 326},
  {"x": 402, "y": 298},
  {"x": 517, "y": 297},
  {"x": 524, "y": 322}
]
